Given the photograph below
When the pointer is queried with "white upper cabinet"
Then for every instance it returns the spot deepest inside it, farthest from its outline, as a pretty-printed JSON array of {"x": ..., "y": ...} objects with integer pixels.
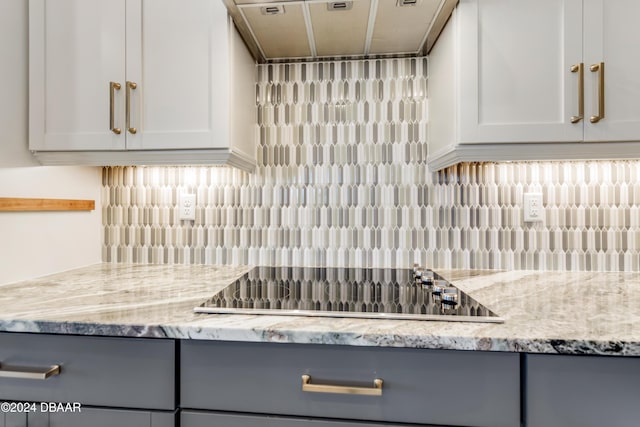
[
  {"x": 521, "y": 80},
  {"x": 515, "y": 82},
  {"x": 139, "y": 82},
  {"x": 612, "y": 37},
  {"x": 76, "y": 50}
]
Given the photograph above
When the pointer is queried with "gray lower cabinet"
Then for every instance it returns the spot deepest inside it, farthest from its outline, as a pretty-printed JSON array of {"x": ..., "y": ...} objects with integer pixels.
[
  {"x": 448, "y": 388},
  {"x": 131, "y": 380},
  {"x": 204, "y": 419},
  {"x": 98, "y": 417},
  {"x": 582, "y": 391},
  {"x": 98, "y": 371},
  {"x": 13, "y": 420}
]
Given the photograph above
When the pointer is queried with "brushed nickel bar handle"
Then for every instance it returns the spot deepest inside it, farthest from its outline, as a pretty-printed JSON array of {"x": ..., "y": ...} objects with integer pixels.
[
  {"x": 113, "y": 86},
  {"x": 579, "y": 68},
  {"x": 28, "y": 372},
  {"x": 376, "y": 390},
  {"x": 599, "y": 68},
  {"x": 130, "y": 86}
]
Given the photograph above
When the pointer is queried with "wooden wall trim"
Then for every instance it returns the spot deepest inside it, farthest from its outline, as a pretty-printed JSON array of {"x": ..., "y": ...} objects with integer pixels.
[{"x": 14, "y": 204}]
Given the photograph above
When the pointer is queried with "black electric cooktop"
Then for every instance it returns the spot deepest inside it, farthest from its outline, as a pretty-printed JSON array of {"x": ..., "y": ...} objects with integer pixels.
[{"x": 414, "y": 294}]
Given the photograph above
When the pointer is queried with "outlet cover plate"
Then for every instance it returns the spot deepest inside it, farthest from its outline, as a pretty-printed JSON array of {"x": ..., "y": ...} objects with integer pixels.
[
  {"x": 187, "y": 207},
  {"x": 533, "y": 209}
]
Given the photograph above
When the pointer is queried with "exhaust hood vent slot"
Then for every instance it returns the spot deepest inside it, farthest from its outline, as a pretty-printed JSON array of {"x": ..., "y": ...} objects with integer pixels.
[
  {"x": 272, "y": 10},
  {"x": 402, "y": 3},
  {"x": 339, "y": 5}
]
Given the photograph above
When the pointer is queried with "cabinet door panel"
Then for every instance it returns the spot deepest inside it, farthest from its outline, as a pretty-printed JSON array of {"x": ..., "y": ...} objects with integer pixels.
[
  {"x": 101, "y": 418},
  {"x": 611, "y": 36},
  {"x": 37, "y": 418},
  {"x": 582, "y": 391},
  {"x": 76, "y": 48},
  {"x": 14, "y": 420},
  {"x": 96, "y": 417},
  {"x": 203, "y": 419},
  {"x": 173, "y": 64},
  {"x": 515, "y": 79}
]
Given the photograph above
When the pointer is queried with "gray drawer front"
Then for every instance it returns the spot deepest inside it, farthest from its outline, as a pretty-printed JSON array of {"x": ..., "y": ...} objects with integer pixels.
[
  {"x": 202, "y": 419},
  {"x": 13, "y": 420},
  {"x": 101, "y": 418},
  {"x": 582, "y": 391},
  {"x": 420, "y": 386},
  {"x": 122, "y": 372},
  {"x": 98, "y": 417}
]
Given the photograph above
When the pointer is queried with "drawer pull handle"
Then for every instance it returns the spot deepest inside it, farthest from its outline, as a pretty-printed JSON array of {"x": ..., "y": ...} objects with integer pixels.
[
  {"x": 28, "y": 372},
  {"x": 376, "y": 390}
]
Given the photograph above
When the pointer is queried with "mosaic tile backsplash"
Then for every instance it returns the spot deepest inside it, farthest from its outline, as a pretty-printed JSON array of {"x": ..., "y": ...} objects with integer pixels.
[{"x": 342, "y": 181}]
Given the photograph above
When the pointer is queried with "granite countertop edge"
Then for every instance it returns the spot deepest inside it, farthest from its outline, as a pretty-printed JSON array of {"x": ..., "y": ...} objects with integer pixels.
[{"x": 442, "y": 342}]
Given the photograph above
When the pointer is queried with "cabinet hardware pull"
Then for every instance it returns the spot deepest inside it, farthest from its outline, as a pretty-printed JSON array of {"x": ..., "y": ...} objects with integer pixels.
[
  {"x": 599, "y": 68},
  {"x": 113, "y": 86},
  {"x": 376, "y": 390},
  {"x": 130, "y": 86},
  {"x": 28, "y": 372},
  {"x": 579, "y": 68}
]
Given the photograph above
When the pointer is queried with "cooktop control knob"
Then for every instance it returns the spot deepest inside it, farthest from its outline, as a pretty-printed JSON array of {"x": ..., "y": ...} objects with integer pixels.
[
  {"x": 423, "y": 276},
  {"x": 428, "y": 277},
  {"x": 439, "y": 286},
  {"x": 449, "y": 296}
]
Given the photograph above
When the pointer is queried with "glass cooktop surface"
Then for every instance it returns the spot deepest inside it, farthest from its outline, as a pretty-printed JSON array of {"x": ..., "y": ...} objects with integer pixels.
[{"x": 347, "y": 292}]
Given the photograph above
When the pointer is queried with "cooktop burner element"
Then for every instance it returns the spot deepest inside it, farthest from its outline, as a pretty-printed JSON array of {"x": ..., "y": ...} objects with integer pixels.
[{"x": 417, "y": 294}]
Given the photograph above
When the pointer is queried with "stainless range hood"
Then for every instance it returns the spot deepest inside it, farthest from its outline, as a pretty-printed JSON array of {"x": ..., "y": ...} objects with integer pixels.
[{"x": 320, "y": 29}]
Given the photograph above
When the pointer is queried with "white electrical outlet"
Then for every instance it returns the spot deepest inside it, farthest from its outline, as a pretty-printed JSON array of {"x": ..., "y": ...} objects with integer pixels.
[
  {"x": 533, "y": 209},
  {"x": 187, "y": 207}
]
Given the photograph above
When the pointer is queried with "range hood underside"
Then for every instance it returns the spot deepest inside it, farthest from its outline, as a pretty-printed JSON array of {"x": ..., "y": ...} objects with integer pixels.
[{"x": 277, "y": 31}]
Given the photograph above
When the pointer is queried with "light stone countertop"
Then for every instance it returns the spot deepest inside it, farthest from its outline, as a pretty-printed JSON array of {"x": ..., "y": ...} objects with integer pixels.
[{"x": 544, "y": 312}]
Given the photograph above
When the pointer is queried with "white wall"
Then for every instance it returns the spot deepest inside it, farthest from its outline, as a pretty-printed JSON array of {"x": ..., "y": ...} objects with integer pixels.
[{"x": 37, "y": 243}]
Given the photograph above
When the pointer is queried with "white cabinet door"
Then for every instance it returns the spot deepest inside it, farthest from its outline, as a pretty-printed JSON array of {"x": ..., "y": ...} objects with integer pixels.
[
  {"x": 611, "y": 36},
  {"x": 178, "y": 58},
  {"x": 515, "y": 79},
  {"x": 76, "y": 48}
]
